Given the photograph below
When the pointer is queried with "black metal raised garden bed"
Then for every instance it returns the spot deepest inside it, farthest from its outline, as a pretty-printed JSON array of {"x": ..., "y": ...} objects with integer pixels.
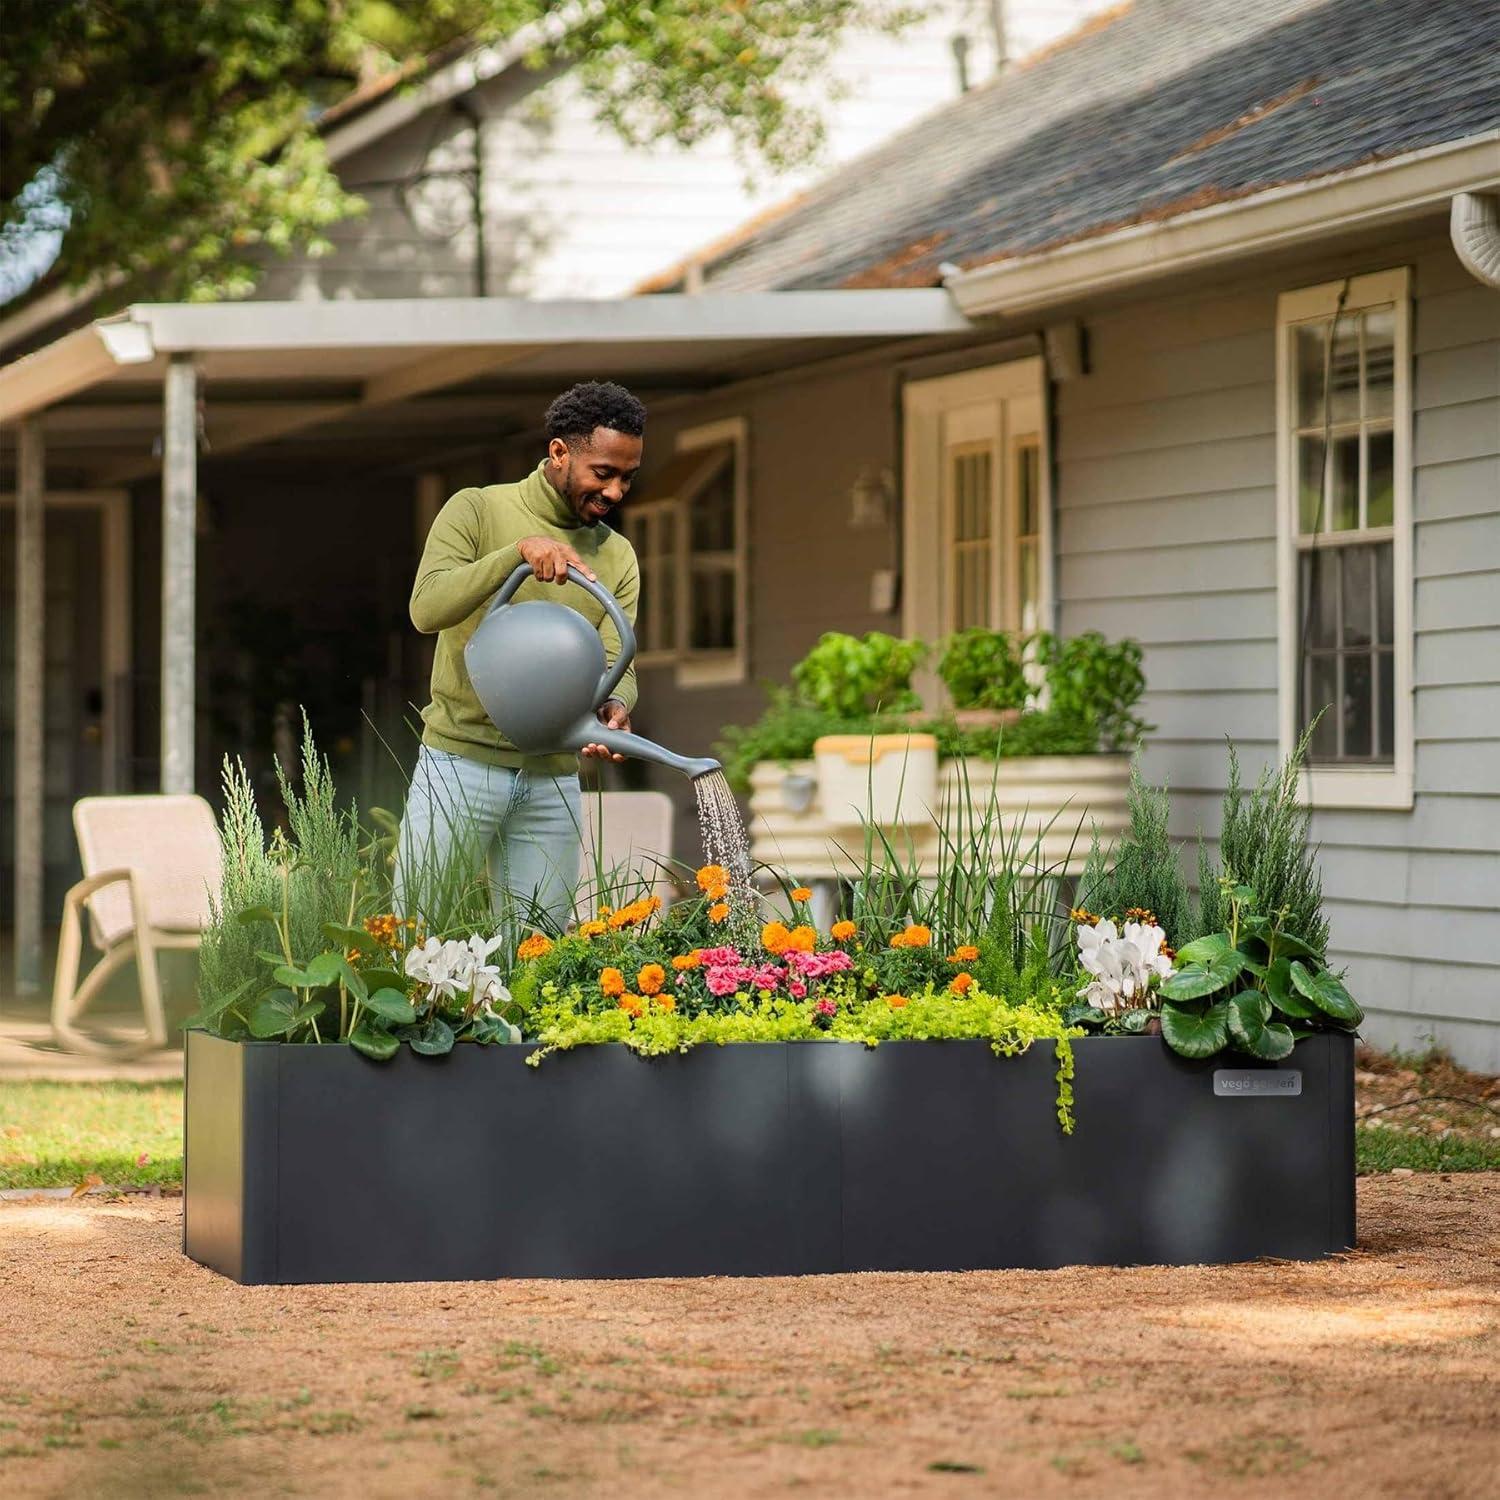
[{"x": 308, "y": 1163}]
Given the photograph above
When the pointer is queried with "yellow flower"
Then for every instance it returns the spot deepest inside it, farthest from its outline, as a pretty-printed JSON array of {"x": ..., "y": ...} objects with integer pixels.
[
  {"x": 843, "y": 931},
  {"x": 915, "y": 936},
  {"x": 801, "y": 893},
  {"x": 774, "y": 937},
  {"x": 965, "y": 955},
  {"x": 1083, "y": 915},
  {"x": 801, "y": 940},
  {"x": 962, "y": 984},
  {"x": 592, "y": 929},
  {"x": 896, "y": 1001},
  {"x": 632, "y": 1005},
  {"x": 713, "y": 881},
  {"x": 688, "y": 960},
  {"x": 718, "y": 912},
  {"x": 534, "y": 946},
  {"x": 650, "y": 980},
  {"x": 612, "y": 982},
  {"x": 666, "y": 1002}
]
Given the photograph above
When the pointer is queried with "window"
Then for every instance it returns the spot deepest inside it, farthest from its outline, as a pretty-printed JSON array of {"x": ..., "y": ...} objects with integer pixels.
[
  {"x": 971, "y": 505},
  {"x": 1027, "y": 486},
  {"x": 1345, "y": 537},
  {"x": 688, "y": 531}
]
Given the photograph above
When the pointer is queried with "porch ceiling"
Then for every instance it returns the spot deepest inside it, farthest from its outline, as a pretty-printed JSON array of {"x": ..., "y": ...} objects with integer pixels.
[{"x": 392, "y": 378}]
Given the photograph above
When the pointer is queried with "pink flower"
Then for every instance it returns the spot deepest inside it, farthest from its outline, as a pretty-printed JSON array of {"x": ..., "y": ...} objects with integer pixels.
[
  {"x": 827, "y": 1007},
  {"x": 767, "y": 977},
  {"x": 717, "y": 958},
  {"x": 820, "y": 965},
  {"x": 722, "y": 981},
  {"x": 798, "y": 990}
]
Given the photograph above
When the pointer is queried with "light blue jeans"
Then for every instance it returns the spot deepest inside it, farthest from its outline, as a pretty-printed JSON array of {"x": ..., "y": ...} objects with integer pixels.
[{"x": 524, "y": 826}]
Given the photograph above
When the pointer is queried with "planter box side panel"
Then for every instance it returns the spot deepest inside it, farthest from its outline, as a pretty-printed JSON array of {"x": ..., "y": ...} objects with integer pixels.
[{"x": 596, "y": 1164}]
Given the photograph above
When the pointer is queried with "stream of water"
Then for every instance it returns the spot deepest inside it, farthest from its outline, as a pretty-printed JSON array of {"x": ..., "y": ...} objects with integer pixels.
[{"x": 726, "y": 843}]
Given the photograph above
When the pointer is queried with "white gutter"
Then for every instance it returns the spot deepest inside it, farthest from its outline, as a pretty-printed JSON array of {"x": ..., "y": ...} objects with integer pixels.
[
  {"x": 1300, "y": 213},
  {"x": 1474, "y": 228}
]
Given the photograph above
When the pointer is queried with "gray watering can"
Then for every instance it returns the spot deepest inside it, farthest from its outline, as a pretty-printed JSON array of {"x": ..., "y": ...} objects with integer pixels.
[{"x": 539, "y": 672}]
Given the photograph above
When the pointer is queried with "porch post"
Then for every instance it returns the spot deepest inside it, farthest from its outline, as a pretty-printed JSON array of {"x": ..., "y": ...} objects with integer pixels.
[
  {"x": 179, "y": 544},
  {"x": 30, "y": 735}
]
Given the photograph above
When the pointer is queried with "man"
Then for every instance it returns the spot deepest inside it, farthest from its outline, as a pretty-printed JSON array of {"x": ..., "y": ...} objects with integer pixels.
[{"x": 473, "y": 793}]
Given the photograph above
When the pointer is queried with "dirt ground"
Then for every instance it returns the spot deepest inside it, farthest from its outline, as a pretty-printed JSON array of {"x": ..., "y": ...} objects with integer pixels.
[{"x": 127, "y": 1370}]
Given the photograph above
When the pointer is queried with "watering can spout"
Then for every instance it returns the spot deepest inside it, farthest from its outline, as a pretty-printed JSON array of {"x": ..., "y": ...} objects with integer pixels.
[{"x": 619, "y": 742}]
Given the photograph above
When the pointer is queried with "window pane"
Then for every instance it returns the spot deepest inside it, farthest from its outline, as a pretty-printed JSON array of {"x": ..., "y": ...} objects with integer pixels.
[
  {"x": 1358, "y": 706},
  {"x": 1344, "y": 375},
  {"x": 1030, "y": 586},
  {"x": 1386, "y": 750},
  {"x": 711, "y": 623},
  {"x": 1320, "y": 598},
  {"x": 1380, "y": 362},
  {"x": 1310, "y": 484},
  {"x": 1321, "y": 677},
  {"x": 1310, "y": 338},
  {"x": 713, "y": 512},
  {"x": 666, "y": 585},
  {"x": 1343, "y": 499},
  {"x": 1357, "y": 605},
  {"x": 1381, "y": 481},
  {"x": 1385, "y": 594},
  {"x": 1028, "y": 484}
]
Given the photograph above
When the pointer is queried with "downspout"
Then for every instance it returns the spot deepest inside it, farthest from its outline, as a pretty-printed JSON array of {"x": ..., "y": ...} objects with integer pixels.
[{"x": 1474, "y": 228}]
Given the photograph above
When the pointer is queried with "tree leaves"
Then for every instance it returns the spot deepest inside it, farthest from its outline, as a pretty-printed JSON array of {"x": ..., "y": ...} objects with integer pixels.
[{"x": 1194, "y": 1032}]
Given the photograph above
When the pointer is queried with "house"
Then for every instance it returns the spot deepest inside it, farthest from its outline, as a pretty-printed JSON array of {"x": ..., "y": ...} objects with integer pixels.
[{"x": 1093, "y": 288}]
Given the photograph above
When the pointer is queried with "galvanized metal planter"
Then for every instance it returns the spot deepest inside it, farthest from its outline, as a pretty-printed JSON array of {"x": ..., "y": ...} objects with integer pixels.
[{"x": 307, "y": 1164}]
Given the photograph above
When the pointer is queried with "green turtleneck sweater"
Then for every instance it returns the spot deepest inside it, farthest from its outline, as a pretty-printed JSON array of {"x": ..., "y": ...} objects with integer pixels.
[{"x": 471, "y": 550}]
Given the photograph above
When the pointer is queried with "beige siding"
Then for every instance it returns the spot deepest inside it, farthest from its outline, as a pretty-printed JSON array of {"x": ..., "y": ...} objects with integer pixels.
[{"x": 1166, "y": 484}]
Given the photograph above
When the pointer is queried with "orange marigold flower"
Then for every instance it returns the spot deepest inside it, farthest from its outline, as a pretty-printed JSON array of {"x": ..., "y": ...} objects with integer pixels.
[
  {"x": 965, "y": 955},
  {"x": 1142, "y": 914},
  {"x": 352, "y": 956},
  {"x": 650, "y": 980},
  {"x": 666, "y": 1002},
  {"x": 713, "y": 880},
  {"x": 632, "y": 1005},
  {"x": 896, "y": 1001},
  {"x": 843, "y": 931},
  {"x": 1082, "y": 914},
  {"x": 718, "y": 912},
  {"x": 801, "y": 939},
  {"x": 962, "y": 984},
  {"x": 774, "y": 937},
  {"x": 612, "y": 982},
  {"x": 917, "y": 936},
  {"x": 592, "y": 929},
  {"x": 801, "y": 893},
  {"x": 534, "y": 946},
  {"x": 898, "y": 940},
  {"x": 688, "y": 960}
]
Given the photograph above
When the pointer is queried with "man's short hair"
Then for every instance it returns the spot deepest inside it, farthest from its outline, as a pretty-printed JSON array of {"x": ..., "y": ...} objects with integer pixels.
[{"x": 594, "y": 403}]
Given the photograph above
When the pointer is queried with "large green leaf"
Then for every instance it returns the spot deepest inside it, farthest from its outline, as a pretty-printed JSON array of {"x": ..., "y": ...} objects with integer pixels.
[
  {"x": 273, "y": 1015},
  {"x": 293, "y": 978},
  {"x": 390, "y": 1005},
  {"x": 383, "y": 979},
  {"x": 1251, "y": 1026},
  {"x": 1289, "y": 945},
  {"x": 494, "y": 1030},
  {"x": 350, "y": 937},
  {"x": 1195, "y": 1032},
  {"x": 380, "y": 1045},
  {"x": 1283, "y": 996},
  {"x": 1327, "y": 993},
  {"x": 1203, "y": 950},
  {"x": 253, "y": 914},
  {"x": 1208, "y": 978},
  {"x": 309, "y": 1010},
  {"x": 326, "y": 969},
  {"x": 434, "y": 1039}
]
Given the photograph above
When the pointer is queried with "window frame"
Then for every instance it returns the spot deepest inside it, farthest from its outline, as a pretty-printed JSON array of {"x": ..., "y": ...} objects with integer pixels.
[
  {"x": 1352, "y": 786},
  {"x": 718, "y": 668},
  {"x": 635, "y": 520}
]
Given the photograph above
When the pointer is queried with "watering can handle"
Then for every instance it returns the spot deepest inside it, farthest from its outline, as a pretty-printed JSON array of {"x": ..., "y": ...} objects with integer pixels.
[{"x": 611, "y": 679}]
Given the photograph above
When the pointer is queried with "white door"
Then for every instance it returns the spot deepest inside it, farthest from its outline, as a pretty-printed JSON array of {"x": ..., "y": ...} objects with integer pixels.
[{"x": 977, "y": 517}]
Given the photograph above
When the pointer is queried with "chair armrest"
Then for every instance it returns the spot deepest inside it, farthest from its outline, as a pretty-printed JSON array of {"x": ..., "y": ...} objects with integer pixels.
[{"x": 91, "y": 883}]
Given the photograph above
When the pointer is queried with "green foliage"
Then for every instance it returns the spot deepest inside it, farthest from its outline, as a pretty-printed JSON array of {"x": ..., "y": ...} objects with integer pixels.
[
  {"x": 982, "y": 669},
  {"x": 1264, "y": 843},
  {"x": 1380, "y": 1148},
  {"x": 852, "y": 676},
  {"x": 1256, "y": 986},
  {"x": 177, "y": 141},
  {"x": 60, "y": 1134},
  {"x": 1142, "y": 871},
  {"x": 786, "y": 731},
  {"x": 1086, "y": 675}
]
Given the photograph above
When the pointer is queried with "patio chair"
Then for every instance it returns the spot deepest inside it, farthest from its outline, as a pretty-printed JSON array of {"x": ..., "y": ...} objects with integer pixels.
[
  {"x": 149, "y": 864},
  {"x": 637, "y": 840}
]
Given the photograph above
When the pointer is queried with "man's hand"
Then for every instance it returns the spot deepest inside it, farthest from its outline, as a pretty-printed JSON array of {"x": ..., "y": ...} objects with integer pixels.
[
  {"x": 612, "y": 715},
  {"x": 550, "y": 560}
]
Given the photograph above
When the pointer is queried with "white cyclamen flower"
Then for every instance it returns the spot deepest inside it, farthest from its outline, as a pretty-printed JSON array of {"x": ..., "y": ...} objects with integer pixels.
[{"x": 1123, "y": 966}]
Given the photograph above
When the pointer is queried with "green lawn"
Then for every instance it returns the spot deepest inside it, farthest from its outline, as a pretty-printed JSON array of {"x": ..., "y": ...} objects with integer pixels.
[
  {"x": 58, "y": 1134},
  {"x": 1378, "y": 1148}
]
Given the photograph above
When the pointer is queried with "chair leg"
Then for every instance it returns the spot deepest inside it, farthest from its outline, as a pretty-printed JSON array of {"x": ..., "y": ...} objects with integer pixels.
[
  {"x": 69, "y": 952},
  {"x": 150, "y": 980}
]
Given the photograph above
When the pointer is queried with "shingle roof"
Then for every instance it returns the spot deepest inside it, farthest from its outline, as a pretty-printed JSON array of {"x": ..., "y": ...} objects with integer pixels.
[{"x": 1170, "y": 106}]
